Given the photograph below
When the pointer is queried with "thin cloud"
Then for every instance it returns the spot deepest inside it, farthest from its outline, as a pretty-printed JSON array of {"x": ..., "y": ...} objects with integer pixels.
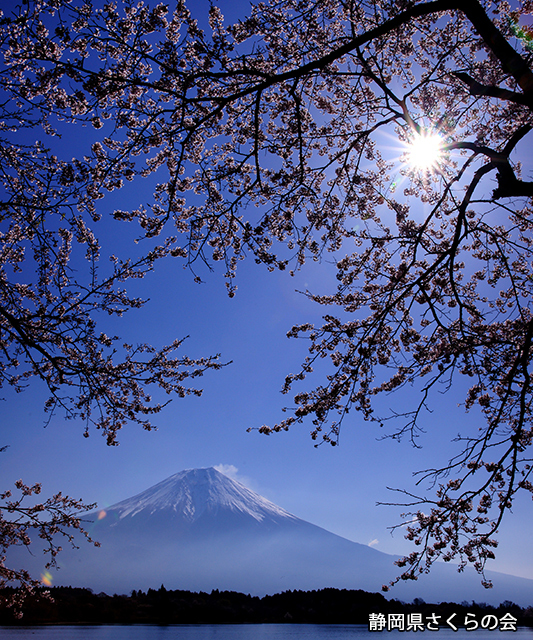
[
  {"x": 229, "y": 470},
  {"x": 232, "y": 472}
]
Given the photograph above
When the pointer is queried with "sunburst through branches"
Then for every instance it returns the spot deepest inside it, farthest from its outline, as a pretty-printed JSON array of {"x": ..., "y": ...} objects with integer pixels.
[{"x": 425, "y": 151}]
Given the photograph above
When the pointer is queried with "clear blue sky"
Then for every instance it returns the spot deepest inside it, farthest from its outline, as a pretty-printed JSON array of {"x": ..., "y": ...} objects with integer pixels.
[{"x": 336, "y": 488}]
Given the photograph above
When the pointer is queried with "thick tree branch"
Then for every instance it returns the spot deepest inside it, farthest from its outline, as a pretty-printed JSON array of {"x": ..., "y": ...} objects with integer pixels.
[
  {"x": 512, "y": 63},
  {"x": 478, "y": 89}
]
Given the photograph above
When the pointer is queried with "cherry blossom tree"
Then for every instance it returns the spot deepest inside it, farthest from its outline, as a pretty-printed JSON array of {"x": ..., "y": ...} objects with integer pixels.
[
  {"x": 51, "y": 518},
  {"x": 271, "y": 137},
  {"x": 53, "y": 292}
]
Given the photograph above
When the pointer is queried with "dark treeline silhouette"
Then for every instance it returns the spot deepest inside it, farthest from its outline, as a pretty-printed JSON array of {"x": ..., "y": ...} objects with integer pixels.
[{"x": 70, "y": 605}]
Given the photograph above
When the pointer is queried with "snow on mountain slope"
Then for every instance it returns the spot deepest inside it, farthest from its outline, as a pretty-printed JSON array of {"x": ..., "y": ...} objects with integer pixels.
[
  {"x": 194, "y": 492},
  {"x": 200, "y": 530}
]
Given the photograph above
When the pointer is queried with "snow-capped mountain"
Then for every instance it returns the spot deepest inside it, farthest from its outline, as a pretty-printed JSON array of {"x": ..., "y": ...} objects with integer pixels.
[
  {"x": 200, "y": 530},
  {"x": 197, "y": 492}
]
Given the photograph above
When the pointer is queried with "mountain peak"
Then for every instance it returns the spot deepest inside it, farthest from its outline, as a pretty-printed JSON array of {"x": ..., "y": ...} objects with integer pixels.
[
  {"x": 194, "y": 492},
  {"x": 200, "y": 530}
]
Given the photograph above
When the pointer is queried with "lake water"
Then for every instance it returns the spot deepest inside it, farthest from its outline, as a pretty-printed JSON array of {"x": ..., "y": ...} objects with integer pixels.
[{"x": 243, "y": 632}]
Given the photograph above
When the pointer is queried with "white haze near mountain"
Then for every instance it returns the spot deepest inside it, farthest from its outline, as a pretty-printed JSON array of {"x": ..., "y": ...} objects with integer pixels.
[{"x": 200, "y": 530}]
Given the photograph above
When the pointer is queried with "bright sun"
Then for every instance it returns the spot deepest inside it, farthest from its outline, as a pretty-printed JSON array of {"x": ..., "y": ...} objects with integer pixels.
[{"x": 425, "y": 151}]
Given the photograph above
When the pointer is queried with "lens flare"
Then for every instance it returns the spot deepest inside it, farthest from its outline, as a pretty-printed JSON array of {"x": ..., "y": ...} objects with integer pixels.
[
  {"x": 46, "y": 578},
  {"x": 425, "y": 151}
]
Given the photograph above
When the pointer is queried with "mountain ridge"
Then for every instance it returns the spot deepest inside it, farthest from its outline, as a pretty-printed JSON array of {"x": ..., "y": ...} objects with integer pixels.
[
  {"x": 199, "y": 530},
  {"x": 209, "y": 488}
]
